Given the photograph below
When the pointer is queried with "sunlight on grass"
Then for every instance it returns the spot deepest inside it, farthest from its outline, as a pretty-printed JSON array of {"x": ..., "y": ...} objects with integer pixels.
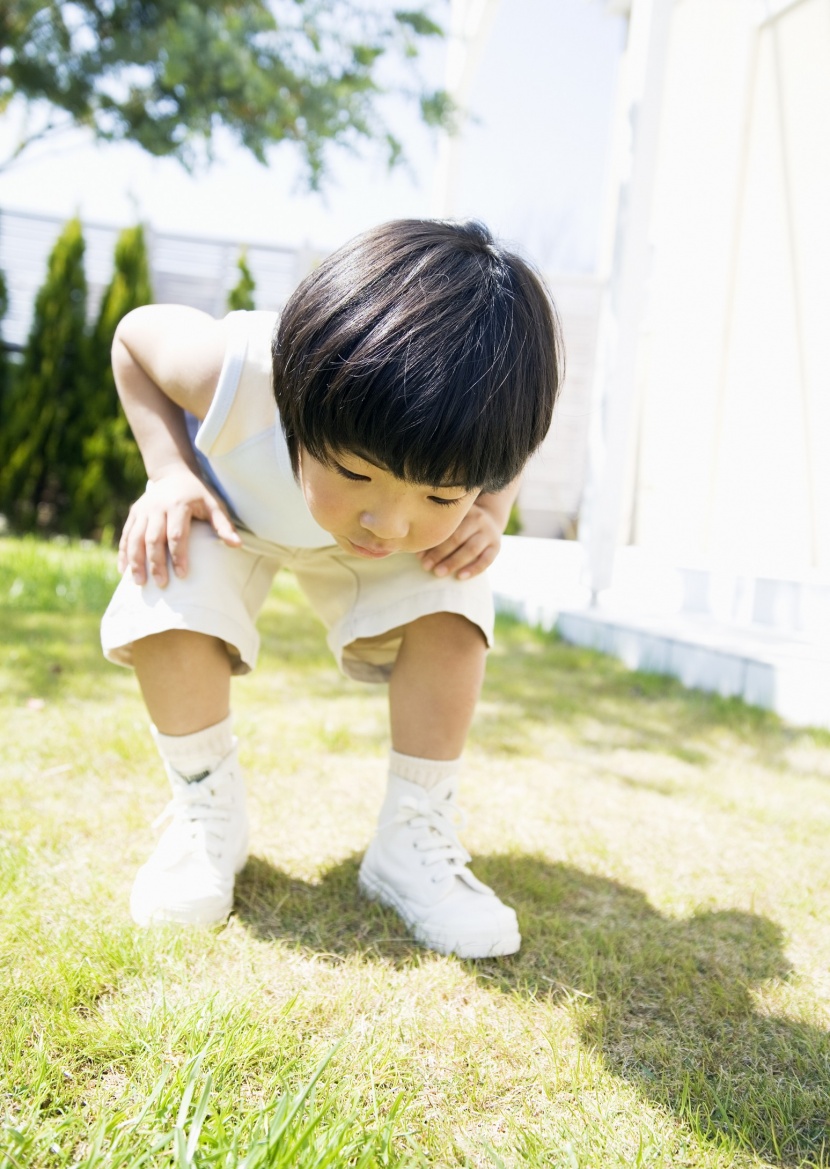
[{"x": 666, "y": 853}]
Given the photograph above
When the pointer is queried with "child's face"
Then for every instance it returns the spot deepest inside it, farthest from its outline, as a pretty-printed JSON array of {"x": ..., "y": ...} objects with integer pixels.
[{"x": 372, "y": 513}]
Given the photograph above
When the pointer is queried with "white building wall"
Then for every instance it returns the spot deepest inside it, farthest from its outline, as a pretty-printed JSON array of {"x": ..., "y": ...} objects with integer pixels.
[
  {"x": 761, "y": 493},
  {"x": 693, "y": 219},
  {"x": 803, "y": 45},
  {"x": 732, "y": 370},
  {"x": 552, "y": 486}
]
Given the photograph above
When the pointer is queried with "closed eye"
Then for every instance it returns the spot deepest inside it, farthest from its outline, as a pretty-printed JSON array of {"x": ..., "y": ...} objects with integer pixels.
[
  {"x": 445, "y": 502},
  {"x": 350, "y": 475}
]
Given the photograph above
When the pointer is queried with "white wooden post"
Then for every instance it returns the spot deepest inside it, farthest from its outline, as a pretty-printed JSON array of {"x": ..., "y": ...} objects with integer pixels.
[
  {"x": 605, "y": 522},
  {"x": 470, "y": 23}
]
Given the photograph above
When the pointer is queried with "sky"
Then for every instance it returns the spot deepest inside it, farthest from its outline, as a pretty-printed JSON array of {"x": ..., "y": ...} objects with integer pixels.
[{"x": 532, "y": 156}]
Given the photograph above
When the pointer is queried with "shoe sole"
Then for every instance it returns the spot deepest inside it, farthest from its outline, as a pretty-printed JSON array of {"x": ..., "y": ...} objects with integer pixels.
[
  {"x": 185, "y": 917},
  {"x": 471, "y": 946}
]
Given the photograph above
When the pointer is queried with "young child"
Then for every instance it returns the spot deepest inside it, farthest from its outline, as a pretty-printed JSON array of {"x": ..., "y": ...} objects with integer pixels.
[{"x": 370, "y": 440}]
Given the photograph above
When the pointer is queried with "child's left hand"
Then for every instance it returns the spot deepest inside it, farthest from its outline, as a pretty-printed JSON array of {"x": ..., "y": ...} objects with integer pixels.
[{"x": 471, "y": 548}]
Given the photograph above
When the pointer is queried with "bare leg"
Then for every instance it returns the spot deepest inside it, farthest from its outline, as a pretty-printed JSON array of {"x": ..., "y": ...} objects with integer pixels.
[
  {"x": 435, "y": 686},
  {"x": 185, "y": 679}
]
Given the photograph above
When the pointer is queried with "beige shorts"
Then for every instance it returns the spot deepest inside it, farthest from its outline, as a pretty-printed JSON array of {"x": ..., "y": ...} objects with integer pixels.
[{"x": 364, "y": 604}]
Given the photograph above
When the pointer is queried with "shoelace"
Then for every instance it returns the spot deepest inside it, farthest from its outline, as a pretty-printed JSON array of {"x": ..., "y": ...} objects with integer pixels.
[
  {"x": 193, "y": 810},
  {"x": 443, "y": 821}
]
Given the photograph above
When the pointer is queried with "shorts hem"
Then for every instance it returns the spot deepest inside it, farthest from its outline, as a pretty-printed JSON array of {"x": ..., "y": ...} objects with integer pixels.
[
  {"x": 401, "y": 613},
  {"x": 117, "y": 636}
]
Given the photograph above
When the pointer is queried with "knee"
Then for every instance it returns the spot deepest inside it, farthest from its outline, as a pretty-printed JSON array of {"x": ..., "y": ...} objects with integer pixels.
[
  {"x": 446, "y": 634},
  {"x": 180, "y": 646}
]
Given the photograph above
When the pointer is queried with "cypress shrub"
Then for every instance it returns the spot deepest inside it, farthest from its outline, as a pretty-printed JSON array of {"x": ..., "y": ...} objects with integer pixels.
[
  {"x": 242, "y": 295},
  {"x": 514, "y": 522},
  {"x": 4, "y": 360},
  {"x": 112, "y": 473},
  {"x": 45, "y": 422}
]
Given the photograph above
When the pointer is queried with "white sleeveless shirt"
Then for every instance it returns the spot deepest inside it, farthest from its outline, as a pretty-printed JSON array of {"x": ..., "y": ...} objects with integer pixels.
[{"x": 241, "y": 446}]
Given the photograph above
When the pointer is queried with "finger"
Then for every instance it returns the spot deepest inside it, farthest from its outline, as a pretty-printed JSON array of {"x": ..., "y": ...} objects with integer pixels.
[
  {"x": 178, "y": 539},
  {"x": 458, "y": 560},
  {"x": 222, "y": 526},
  {"x": 122, "y": 543},
  {"x": 478, "y": 566},
  {"x": 156, "y": 544},
  {"x": 126, "y": 535},
  {"x": 441, "y": 551},
  {"x": 135, "y": 551}
]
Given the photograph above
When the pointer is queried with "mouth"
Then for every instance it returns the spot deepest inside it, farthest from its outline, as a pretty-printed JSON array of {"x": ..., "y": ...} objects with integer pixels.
[{"x": 369, "y": 552}]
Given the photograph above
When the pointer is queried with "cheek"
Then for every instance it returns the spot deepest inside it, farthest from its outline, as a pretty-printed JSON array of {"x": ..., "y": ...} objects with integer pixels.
[
  {"x": 446, "y": 523},
  {"x": 325, "y": 501},
  {"x": 439, "y": 527}
]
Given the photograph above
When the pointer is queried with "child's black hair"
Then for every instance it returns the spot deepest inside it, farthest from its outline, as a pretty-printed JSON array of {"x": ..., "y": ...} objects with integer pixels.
[{"x": 426, "y": 347}]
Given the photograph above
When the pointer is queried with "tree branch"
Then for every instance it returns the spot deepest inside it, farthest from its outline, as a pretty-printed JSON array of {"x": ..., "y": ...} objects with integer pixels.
[{"x": 50, "y": 130}]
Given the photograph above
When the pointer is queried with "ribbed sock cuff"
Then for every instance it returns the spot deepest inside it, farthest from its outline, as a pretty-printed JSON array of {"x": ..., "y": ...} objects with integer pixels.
[
  {"x": 193, "y": 756},
  {"x": 425, "y": 772}
]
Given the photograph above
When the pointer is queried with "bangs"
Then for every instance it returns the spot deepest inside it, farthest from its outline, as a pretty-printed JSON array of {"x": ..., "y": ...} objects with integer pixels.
[{"x": 426, "y": 425}]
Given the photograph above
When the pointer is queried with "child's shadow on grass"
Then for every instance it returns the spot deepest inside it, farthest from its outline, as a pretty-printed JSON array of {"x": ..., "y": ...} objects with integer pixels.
[{"x": 667, "y": 1002}]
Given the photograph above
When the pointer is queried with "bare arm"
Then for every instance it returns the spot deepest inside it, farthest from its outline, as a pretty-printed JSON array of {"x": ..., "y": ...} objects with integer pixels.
[
  {"x": 499, "y": 503},
  {"x": 167, "y": 359}
]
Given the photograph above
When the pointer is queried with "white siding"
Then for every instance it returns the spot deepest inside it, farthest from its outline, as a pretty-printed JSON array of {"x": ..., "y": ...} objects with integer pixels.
[
  {"x": 733, "y": 346},
  {"x": 551, "y": 492},
  {"x": 185, "y": 270}
]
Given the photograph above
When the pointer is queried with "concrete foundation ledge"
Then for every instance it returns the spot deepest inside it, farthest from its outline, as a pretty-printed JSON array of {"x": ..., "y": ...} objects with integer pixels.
[
  {"x": 787, "y": 676},
  {"x": 764, "y": 640}
]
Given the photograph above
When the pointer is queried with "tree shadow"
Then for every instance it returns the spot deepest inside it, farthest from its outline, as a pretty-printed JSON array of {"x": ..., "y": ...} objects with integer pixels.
[{"x": 668, "y": 1004}]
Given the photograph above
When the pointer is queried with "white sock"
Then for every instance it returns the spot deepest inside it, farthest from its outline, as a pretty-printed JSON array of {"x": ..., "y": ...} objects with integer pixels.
[
  {"x": 425, "y": 772},
  {"x": 195, "y": 756}
]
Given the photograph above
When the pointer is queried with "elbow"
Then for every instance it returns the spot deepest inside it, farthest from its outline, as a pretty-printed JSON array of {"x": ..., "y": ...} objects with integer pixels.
[
  {"x": 126, "y": 345},
  {"x": 123, "y": 329},
  {"x": 123, "y": 353}
]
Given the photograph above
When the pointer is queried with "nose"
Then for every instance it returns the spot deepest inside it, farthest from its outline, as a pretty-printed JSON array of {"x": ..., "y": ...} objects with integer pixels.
[{"x": 389, "y": 523}]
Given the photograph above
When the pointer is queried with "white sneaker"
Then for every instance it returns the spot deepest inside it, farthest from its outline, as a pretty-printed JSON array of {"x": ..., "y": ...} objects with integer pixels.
[
  {"x": 189, "y": 878},
  {"x": 416, "y": 866}
]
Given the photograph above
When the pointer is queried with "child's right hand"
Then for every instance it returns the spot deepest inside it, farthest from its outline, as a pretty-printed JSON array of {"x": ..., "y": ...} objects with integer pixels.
[{"x": 158, "y": 526}]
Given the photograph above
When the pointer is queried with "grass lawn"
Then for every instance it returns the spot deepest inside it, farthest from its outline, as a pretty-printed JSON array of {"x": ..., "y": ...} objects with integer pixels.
[{"x": 668, "y": 854}]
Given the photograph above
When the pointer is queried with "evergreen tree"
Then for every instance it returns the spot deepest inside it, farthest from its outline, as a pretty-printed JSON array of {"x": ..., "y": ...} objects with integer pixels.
[
  {"x": 43, "y": 434},
  {"x": 111, "y": 474},
  {"x": 514, "y": 522},
  {"x": 242, "y": 296},
  {"x": 4, "y": 358}
]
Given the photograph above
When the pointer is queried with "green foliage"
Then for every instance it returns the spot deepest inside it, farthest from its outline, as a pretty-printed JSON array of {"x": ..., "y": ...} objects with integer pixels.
[
  {"x": 514, "y": 522},
  {"x": 68, "y": 461},
  {"x": 242, "y": 295},
  {"x": 111, "y": 474},
  {"x": 41, "y": 445},
  {"x": 4, "y": 360},
  {"x": 129, "y": 288},
  {"x": 168, "y": 75},
  {"x": 437, "y": 109}
]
